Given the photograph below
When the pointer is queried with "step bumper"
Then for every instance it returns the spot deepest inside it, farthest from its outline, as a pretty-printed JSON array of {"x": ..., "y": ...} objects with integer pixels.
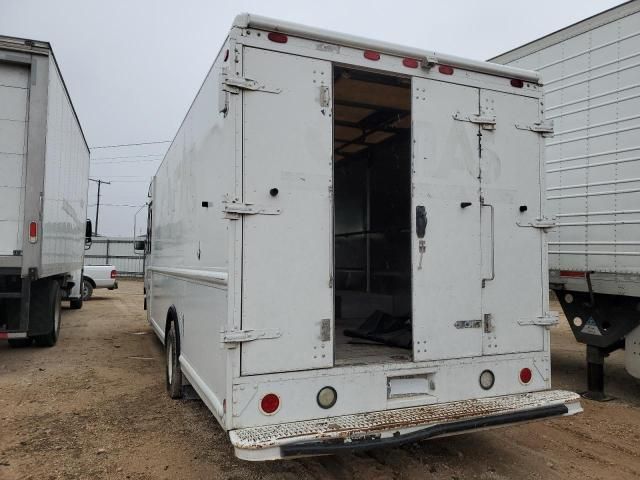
[{"x": 395, "y": 427}]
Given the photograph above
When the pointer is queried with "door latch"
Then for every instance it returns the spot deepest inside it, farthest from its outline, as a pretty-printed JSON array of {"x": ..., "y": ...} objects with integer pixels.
[
  {"x": 544, "y": 128},
  {"x": 233, "y": 210},
  {"x": 232, "y": 337},
  {"x": 487, "y": 122}
]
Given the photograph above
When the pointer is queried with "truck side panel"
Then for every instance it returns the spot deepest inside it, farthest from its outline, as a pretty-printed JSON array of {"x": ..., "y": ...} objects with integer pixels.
[
  {"x": 65, "y": 186},
  {"x": 14, "y": 95},
  {"x": 593, "y": 161},
  {"x": 188, "y": 267}
]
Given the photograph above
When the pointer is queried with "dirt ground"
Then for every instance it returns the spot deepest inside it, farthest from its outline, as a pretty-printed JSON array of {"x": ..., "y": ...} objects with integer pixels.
[{"x": 94, "y": 406}]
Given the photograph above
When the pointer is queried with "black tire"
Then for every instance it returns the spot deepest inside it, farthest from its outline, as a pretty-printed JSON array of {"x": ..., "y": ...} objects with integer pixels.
[
  {"x": 20, "y": 342},
  {"x": 86, "y": 290},
  {"x": 53, "y": 315},
  {"x": 172, "y": 353}
]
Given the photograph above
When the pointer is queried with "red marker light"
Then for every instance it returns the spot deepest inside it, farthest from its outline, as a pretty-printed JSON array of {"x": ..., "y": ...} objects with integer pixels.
[
  {"x": 445, "y": 70},
  {"x": 277, "y": 37},
  {"x": 410, "y": 62},
  {"x": 270, "y": 403},
  {"x": 517, "y": 83},
  {"x": 526, "y": 375},
  {"x": 33, "y": 232},
  {"x": 571, "y": 273},
  {"x": 371, "y": 55},
  {"x": 114, "y": 273}
]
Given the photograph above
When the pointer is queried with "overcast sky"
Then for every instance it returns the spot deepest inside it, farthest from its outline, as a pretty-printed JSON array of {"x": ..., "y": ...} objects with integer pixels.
[{"x": 133, "y": 66}]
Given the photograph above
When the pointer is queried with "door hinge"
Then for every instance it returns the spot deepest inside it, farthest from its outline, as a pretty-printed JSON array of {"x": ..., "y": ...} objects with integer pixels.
[
  {"x": 547, "y": 320},
  {"x": 233, "y": 210},
  {"x": 544, "y": 128},
  {"x": 542, "y": 223},
  {"x": 231, "y": 337},
  {"x": 487, "y": 122},
  {"x": 488, "y": 323},
  {"x": 233, "y": 84}
]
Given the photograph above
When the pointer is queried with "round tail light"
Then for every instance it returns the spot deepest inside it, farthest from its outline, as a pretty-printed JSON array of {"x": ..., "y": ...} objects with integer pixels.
[
  {"x": 526, "y": 375},
  {"x": 270, "y": 403}
]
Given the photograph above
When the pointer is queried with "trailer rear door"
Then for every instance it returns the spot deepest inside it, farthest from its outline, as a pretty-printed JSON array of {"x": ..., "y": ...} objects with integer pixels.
[
  {"x": 14, "y": 94},
  {"x": 446, "y": 257},
  {"x": 287, "y": 295}
]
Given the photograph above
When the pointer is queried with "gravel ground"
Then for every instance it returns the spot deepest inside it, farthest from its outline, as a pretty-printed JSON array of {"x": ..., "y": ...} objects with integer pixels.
[{"x": 94, "y": 406}]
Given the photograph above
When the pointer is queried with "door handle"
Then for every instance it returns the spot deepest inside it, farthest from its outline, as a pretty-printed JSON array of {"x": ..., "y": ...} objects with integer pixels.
[
  {"x": 493, "y": 243},
  {"x": 421, "y": 221}
]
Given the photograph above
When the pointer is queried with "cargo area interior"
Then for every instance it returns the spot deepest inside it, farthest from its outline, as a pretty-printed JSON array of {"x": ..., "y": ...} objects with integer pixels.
[{"x": 372, "y": 217}]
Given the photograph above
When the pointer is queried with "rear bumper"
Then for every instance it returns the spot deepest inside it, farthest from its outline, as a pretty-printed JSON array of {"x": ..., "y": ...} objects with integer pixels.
[{"x": 395, "y": 427}]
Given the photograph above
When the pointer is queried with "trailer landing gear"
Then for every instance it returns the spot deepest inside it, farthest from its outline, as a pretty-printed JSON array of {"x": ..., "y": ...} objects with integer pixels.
[{"x": 595, "y": 374}]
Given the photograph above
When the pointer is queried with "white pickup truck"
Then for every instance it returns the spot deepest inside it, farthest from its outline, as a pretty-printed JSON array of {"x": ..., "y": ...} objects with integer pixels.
[{"x": 98, "y": 276}]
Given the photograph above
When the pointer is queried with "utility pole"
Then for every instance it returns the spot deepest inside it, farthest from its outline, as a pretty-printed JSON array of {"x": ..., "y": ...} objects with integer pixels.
[{"x": 99, "y": 182}]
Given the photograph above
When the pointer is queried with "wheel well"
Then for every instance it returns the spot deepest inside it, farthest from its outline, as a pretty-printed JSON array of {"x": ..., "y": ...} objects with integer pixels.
[
  {"x": 90, "y": 280},
  {"x": 172, "y": 316}
]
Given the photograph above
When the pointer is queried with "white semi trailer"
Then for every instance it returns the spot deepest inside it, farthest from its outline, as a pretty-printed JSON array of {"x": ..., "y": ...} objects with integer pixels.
[
  {"x": 346, "y": 245},
  {"x": 592, "y": 90},
  {"x": 44, "y": 168}
]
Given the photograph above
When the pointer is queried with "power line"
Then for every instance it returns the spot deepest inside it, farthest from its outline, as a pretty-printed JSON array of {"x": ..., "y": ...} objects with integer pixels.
[{"x": 130, "y": 144}]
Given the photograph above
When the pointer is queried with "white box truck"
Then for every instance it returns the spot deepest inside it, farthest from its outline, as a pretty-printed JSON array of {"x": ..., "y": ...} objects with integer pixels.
[
  {"x": 346, "y": 245},
  {"x": 44, "y": 168},
  {"x": 592, "y": 91}
]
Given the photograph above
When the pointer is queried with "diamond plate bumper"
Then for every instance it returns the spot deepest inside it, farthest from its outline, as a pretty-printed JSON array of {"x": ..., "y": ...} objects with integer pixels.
[{"x": 395, "y": 427}]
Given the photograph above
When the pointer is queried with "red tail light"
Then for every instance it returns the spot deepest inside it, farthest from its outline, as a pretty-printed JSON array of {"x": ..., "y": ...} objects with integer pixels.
[
  {"x": 33, "y": 232},
  {"x": 270, "y": 403},
  {"x": 516, "y": 82},
  {"x": 571, "y": 273},
  {"x": 526, "y": 375},
  {"x": 445, "y": 69},
  {"x": 114, "y": 273},
  {"x": 410, "y": 62},
  {"x": 277, "y": 37},
  {"x": 371, "y": 55}
]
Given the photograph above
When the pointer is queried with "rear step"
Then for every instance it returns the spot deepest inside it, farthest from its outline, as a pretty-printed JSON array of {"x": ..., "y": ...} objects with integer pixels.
[{"x": 395, "y": 427}]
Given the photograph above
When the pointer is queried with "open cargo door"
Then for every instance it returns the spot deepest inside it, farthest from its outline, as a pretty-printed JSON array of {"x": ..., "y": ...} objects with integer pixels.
[
  {"x": 14, "y": 93},
  {"x": 287, "y": 294},
  {"x": 446, "y": 250},
  {"x": 515, "y": 295}
]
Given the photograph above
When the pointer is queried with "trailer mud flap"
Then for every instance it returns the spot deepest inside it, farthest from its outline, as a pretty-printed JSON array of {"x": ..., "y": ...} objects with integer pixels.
[{"x": 395, "y": 427}]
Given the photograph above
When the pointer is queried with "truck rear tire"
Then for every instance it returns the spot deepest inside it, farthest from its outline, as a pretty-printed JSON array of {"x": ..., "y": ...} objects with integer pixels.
[
  {"x": 49, "y": 300},
  {"x": 20, "y": 342},
  {"x": 172, "y": 355}
]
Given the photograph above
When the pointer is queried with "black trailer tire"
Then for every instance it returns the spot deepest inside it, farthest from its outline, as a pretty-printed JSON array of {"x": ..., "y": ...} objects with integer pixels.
[
  {"x": 87, "y": 290},
  {"x": 20, "y": 342},
  {"x": 172, "y": 355},
  {"x": 53, "y": 315}
]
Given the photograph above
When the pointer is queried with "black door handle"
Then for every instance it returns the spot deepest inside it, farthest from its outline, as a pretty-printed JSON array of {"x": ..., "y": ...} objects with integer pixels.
[
  {"x": 421, "y": 221},
  {"x": 465, "y": 204}
]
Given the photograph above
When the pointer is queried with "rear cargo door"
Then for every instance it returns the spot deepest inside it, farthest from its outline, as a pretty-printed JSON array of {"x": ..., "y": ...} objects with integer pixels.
[
  {"x": 287, "y": 296},
  {"x": 14, "y": 94},
  {"x": 446, "y": 252},
  {"x": 515, "y": 292}
]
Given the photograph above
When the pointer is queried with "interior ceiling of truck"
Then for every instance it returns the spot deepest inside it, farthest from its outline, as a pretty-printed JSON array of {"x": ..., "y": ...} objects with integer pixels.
[{"x": 369, "y": 109}]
